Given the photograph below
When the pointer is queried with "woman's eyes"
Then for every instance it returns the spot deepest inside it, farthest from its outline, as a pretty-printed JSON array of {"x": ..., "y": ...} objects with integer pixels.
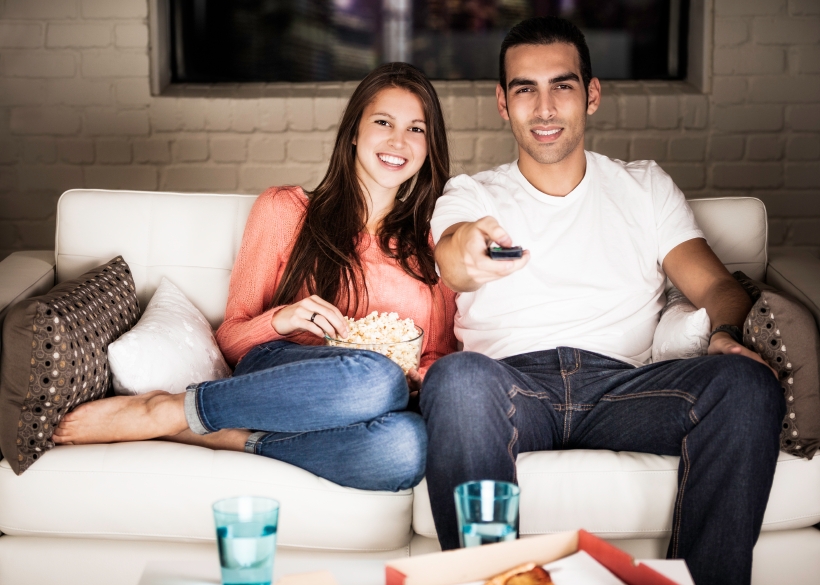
[{"x": 386, "y": 124}]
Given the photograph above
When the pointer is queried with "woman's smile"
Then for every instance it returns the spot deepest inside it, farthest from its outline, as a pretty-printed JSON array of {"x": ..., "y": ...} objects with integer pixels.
[{"x": 392, "y": 161}]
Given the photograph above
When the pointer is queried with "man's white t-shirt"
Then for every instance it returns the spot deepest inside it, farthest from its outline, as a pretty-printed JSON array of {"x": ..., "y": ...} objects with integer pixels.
[{"x": 594, "y": 280}]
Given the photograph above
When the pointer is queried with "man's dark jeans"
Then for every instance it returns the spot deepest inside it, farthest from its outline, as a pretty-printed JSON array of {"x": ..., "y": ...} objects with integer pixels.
[{"x": 720, "y": 414}]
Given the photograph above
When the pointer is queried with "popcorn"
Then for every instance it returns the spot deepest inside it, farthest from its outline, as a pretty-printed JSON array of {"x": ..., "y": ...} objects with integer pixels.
[{"x": 398, "y": 339}]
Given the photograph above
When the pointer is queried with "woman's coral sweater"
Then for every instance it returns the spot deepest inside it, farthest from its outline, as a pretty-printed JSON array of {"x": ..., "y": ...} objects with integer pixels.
[{"x": 272, "y": 227}]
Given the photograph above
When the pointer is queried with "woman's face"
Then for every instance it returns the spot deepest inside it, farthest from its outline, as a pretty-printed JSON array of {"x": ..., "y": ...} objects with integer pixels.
[{"x": 391, "y": 142}]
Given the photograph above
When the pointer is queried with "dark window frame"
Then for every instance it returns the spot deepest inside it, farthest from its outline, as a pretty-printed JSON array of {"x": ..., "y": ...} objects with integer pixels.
[{"x": 698, "y": 64}]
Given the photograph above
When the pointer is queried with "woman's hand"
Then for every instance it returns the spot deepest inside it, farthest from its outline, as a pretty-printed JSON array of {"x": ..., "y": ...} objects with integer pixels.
[
  {"x": 414, "y": 380},
  {"x": 314, "y": 315}
]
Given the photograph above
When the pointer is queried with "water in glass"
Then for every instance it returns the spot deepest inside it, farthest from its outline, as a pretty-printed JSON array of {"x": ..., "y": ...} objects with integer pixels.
[{"x": 246, "y": 553}]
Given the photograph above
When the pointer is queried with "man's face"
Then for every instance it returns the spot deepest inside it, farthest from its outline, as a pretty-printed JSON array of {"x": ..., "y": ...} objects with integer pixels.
[{"x": 545, "y": 100}]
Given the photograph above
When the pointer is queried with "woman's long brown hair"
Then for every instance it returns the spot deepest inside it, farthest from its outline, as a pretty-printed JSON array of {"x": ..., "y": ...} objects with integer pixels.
[{"x": 325, "y": 258}]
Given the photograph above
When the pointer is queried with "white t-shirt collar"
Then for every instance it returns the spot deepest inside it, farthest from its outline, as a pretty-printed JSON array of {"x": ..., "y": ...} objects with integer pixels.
[{"x": 568, "y": 199}]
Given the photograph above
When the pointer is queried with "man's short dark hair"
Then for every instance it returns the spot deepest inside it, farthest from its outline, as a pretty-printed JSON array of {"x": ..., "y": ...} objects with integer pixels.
[{"x": 545, "y": 30}]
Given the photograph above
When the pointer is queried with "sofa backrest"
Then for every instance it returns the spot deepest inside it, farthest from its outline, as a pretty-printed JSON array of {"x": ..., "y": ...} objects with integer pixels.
[{"x": 193, "y": 239}]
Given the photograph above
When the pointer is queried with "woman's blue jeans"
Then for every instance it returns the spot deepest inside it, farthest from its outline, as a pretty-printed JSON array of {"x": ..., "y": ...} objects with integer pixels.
[
  {"x": 336, "y": 412},
  {"x": 721, "y": 414}
]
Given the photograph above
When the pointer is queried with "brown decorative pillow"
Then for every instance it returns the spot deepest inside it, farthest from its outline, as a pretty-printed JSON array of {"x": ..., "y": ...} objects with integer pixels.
[
  {"x": 54, "y": 356},
  {"x": 783, "y": 331}
]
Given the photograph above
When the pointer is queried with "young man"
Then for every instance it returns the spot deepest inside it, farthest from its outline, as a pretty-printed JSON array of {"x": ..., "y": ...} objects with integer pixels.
[{"x": 556, "y": 341}]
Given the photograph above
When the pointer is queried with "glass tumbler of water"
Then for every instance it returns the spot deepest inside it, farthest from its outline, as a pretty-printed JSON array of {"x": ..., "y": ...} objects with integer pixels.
[
  {"x": 487, "y": 512},
  {"x": 246, "y": 535}
]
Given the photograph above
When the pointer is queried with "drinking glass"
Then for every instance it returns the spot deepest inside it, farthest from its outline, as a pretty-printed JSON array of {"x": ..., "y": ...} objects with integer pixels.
[
  {"x": 246, "y": 535},
  {"x": 487, "y": 512}
]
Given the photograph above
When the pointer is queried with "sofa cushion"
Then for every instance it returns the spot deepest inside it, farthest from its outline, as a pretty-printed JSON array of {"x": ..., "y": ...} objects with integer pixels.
[
  {"x": 683, "y": 330},
  {"x": 170, "y": 347},
  {"x": 783, "y": 332},
  {"x": 629, "y": 495},
  {"x": 740, "y": 243},
  {"x": 54, "y": 356},
  {"x": 156, "y": 490}
]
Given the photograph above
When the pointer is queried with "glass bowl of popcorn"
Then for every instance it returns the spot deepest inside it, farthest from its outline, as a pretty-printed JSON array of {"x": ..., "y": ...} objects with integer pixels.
[{"x": 398, "y": 339}]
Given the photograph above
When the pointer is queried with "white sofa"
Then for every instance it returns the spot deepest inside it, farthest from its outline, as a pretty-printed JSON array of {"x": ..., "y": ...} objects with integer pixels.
[{"x": 96, "y": 514}]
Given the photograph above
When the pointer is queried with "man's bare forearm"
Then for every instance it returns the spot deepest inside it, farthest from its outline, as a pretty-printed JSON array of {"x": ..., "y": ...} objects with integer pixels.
[
  {"x": 451, "y": 266},
  {"x": 726, "y": 303}
]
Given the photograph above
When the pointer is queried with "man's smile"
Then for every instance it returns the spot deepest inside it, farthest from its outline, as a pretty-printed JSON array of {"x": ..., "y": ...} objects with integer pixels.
[{"x": 547, "y": 134}]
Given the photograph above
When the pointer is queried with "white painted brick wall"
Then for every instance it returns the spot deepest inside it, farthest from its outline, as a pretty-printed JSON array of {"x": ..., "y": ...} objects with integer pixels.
[{"x": 76, "y": 111}]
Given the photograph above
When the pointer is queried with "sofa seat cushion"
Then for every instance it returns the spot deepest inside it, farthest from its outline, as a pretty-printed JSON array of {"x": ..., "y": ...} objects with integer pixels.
[
  {"x": 628, "y": 495},
  {"x": 156, "y": 490}
]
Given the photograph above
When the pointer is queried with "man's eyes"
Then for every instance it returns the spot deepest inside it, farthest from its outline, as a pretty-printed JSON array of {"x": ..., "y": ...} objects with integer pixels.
[{"x": 561, "y": 86}]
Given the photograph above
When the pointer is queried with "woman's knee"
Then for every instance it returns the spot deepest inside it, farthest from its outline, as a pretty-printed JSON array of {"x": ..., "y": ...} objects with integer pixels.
[
  {"x": 377, "y": 379},
  {"x": 400, "y": 447}
]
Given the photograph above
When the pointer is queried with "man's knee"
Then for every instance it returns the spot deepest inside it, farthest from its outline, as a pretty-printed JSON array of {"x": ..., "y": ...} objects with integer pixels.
[
  {"x": 461, "y": 382},
  {"x": 751, "y": 392}
]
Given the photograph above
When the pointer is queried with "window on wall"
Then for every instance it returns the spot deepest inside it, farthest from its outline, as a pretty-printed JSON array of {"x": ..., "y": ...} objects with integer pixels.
[{"x": 341, "y": 40}]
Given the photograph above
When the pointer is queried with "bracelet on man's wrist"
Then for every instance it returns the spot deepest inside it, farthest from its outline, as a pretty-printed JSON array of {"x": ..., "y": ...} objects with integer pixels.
[{"x": 733, "y": 331}]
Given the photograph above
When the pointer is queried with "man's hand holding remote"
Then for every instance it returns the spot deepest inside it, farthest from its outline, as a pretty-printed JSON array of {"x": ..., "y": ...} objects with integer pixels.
[{"x": 462, "y": 257}]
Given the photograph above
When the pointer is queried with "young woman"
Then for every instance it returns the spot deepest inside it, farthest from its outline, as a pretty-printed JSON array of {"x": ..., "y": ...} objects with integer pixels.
[{"x": 360, "y": 242}]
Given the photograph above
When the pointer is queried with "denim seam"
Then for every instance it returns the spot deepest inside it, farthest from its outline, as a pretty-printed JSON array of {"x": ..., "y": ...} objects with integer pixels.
[
  {"x": 510, "y": 446},
  {"x": 577, "y": 355},
  {"x": 574, "y": 407},
  {"x": 568, "y": 410},
  {"x": 301, "y": 434},
  {"x": 511, "y": 394},
  {"x": 668, "y": 393},
  {"x": 693, "y": 417},
  {"x": 298, "y": 435},
  {"x": 530, "y": 393},
  {"x": 679, "y": 503}
]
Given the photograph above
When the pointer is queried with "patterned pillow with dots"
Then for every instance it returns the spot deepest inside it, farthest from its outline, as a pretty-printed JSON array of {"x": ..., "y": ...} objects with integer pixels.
[
  {"x": 54, "y": 356},
  {"x": 785, "y": 334}
]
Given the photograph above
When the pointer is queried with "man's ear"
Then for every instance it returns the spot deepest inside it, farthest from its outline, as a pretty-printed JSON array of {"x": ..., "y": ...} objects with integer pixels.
[
  {"x": 593, "y": 96},
  {"x": 501, "y": 101}
]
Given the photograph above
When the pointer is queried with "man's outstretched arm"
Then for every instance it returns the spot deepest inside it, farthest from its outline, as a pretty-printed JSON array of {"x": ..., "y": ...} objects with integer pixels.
[
  {"x": 461, "y": 255},
  {"x": 695, "y": 269}
]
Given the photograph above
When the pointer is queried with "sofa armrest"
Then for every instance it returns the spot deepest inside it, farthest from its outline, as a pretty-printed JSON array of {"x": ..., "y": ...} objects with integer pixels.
[
  {"x": 24, "y": 275},
  {"x": 797, "y": 273}
]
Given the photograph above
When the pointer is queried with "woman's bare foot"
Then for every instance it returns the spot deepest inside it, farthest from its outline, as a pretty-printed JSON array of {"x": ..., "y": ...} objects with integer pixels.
[
  {"x": 224, "y": 440},
  {"x": 123, "y": 418}
]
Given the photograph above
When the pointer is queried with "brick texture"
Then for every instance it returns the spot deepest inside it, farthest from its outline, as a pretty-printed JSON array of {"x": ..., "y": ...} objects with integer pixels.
[
  {"x": 76, "y": 111},
  {"x": 78, "y": 35},
  {"x": 20, "y": 35}
]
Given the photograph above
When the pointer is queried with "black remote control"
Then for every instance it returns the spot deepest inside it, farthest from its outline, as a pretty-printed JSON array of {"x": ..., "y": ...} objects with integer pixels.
[{"x": 499, "y": 253}]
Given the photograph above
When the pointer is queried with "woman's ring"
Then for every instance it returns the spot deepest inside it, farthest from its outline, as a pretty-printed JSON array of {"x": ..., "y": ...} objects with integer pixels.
[{"x": 312, "y": 317}]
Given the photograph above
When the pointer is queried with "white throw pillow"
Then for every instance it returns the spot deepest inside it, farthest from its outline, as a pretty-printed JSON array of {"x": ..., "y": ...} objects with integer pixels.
[
  {"x": 683, "y": 331},
  {"x": 170, "y": 347}
]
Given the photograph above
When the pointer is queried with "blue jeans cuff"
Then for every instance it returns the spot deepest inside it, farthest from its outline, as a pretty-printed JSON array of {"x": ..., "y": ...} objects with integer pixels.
[
  {"x": 253, "y": 441},
  {"x": 191, "y": 412}
]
